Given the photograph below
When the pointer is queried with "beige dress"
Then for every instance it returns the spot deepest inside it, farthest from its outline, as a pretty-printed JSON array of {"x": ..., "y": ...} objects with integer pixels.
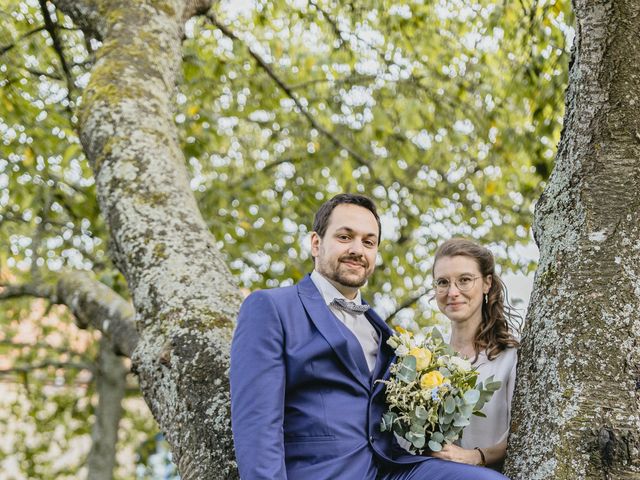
[{"x": 486, "y": 432}]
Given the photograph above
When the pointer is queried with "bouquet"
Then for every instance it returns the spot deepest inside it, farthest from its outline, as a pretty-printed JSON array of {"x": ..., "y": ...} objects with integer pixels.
[{"x": 431, "y": 393}]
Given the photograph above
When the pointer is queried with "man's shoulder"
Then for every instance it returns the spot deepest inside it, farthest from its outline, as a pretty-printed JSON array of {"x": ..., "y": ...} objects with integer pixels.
[
  {"x": 271, "y": 301},
  {"x": 277, "y": 293}
]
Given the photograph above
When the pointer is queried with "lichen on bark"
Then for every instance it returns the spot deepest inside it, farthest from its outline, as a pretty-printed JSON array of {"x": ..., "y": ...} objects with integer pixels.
[
  {"x": 576, "y": 408},
  {"x": 184, "y": 296}
]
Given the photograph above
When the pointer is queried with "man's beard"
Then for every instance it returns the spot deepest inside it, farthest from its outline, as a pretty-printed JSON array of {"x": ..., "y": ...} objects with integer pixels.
[{"x": 342, "y": 278}]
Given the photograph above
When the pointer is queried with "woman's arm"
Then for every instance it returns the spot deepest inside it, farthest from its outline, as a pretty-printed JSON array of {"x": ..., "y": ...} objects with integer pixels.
[{"x": 454, "y": 453}]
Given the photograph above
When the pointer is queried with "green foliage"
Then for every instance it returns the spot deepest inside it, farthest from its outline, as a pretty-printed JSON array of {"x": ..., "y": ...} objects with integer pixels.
[
  {"x": 154, "y": 460},
  {"x": 447, "y": 113},
  {"x": 44, "y": 388},
  {"x": 407, "y": 369}
]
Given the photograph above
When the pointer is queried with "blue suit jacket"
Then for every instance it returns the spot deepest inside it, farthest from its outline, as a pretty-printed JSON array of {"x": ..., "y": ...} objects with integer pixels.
[{"x": 303, "y": 402}]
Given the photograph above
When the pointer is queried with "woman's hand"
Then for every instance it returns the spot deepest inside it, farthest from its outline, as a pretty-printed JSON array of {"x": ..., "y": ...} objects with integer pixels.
[{"x": 454, "y": 453}]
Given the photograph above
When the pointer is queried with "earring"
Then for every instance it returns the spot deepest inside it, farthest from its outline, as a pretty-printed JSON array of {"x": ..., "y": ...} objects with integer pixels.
[{"x": 486, "y": 298}]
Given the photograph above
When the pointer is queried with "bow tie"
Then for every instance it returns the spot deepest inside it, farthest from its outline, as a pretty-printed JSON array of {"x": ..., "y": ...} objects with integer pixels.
[{"x": 350, "y": 307}]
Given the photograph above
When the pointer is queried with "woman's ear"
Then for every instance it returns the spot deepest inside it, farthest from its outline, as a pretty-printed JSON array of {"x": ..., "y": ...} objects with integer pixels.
[{"x": 487, "y": 281}]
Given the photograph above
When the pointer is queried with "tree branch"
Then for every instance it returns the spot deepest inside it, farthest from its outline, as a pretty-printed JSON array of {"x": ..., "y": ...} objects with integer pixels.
[
  {"x": 57, "y": 45},
  {"x": 6, "y": 48},
  {"x": 92, "y": 303},
  {"x": 334, "y": 26},
  {"x": 40, "y": 73},
  {"x": 62, "y": 351},
  {"x": 289, "y": 92},
  {"x": 28, "y": 290},
  {"x": 72, "y": 186},
  {"x": 38, "y": 236},
  {"x": 111, "y": 386},
  {"x": 85, "y": 14},
  {"x": 266, "y": 168},
  {"x": 350, "y": 80},
  {"x": 407, "y": 303},
  {"x": 46, "y": 364}
]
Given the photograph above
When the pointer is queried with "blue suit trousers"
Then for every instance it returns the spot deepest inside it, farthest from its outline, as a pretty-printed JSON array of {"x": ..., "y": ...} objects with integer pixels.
[{"x": 436, "y": 469}]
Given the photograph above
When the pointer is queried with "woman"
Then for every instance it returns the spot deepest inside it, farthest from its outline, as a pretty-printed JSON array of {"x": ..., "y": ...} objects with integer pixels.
[{"x": 473, "y": 298}]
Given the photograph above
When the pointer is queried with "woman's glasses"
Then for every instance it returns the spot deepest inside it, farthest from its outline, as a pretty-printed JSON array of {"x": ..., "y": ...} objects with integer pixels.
[{"x": 463, "y": 283}]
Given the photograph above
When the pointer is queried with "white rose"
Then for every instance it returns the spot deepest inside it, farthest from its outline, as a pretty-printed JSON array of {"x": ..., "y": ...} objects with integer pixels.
[
  {"x": 460, "y": 363},
  {"x": 402, "y": 350}
]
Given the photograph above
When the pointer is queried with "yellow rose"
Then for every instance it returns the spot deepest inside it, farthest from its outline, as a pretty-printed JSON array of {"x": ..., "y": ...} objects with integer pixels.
[
  {"x": 401, "y": 330},
  {"x": 423, "y": 357},
  {"x": 431, "y": 380}
]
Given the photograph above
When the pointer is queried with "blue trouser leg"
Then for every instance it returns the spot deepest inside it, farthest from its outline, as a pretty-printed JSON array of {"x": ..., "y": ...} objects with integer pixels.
[{"x": 436, "y": 469}]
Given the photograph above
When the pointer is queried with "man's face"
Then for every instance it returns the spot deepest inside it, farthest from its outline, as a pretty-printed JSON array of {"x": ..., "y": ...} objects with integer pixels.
[{"x": 347, "y": 253}]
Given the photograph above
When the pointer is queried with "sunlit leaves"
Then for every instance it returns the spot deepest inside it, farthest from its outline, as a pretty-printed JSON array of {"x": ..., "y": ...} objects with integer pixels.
[
  {"x": 444, "y": 112},
  {"x": 447, "y": 112}
]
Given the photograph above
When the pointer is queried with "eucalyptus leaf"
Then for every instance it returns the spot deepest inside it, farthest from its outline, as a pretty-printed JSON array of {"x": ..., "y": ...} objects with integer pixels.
[
  {"x": 466, "y": 410},
  {"x": 471, "y": 396},
  {"x": 407, "y": 369},
  {"x": 434, "y": 446},
  {"x": 449, "y": 405},
  {"x": 421, "y": 412},
  {"x": 387, "y": 421},
  {"x": 451, "y": 436},
  {"x": 493, "y": 386},
  {"x": 461, "y": 422},
  {"x": 419, "y": 441},
  {"x": 417, "y": 429}
]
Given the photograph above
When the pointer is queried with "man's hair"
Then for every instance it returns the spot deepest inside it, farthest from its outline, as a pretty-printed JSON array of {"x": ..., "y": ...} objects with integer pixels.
[{"x": 321, "y": 220}]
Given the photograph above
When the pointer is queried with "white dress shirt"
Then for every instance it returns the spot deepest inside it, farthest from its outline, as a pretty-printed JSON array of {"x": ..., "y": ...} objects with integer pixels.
[{"x": 364, "y": 332}]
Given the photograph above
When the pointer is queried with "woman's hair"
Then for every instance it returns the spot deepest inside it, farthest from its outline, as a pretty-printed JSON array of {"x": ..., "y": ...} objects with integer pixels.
[{"x": 499, "y": 318}]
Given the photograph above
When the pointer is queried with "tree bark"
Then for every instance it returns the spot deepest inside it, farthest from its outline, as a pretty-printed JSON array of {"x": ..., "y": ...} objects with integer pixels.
[
  {"x": 92, "y": 303},
  {"x": 577, "y": 408},
  {"x": 184, "y": 297}
]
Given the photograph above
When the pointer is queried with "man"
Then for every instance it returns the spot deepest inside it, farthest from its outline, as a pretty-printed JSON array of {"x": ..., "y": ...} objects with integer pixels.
[{"x": 305, "y": 404}]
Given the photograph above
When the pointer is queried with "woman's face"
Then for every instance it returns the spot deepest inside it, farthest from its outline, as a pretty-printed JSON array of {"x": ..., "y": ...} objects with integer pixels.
[{"x": 460, "y": 272}]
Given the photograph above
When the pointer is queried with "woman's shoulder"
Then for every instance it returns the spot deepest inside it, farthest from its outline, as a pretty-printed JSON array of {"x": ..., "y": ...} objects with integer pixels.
[
  {"x": 506, "y": 357},
  {"x": 510, "y": 353}
]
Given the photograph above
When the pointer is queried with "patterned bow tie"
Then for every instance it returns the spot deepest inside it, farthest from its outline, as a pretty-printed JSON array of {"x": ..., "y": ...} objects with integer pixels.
[{"x": 350, "y": 307}]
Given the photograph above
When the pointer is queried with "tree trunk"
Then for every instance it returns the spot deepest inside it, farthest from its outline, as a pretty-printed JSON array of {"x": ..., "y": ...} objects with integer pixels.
[
  {"x": 183, "y": 294},
  {"x": 577, "y": 408},
  {"x": 111, "y": 385}
]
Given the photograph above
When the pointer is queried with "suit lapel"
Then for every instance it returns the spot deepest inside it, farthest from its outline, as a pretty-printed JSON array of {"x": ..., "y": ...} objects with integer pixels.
[
  {"x": 385, "y": 353},
  {"x": 332, "y": 330}
]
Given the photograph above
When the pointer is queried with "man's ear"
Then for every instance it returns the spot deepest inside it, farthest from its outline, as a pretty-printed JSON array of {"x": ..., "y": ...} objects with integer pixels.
[{"x": 315, "y": 244}]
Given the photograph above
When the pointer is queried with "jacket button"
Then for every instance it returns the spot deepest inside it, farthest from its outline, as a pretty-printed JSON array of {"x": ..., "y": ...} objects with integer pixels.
[{"x": 371, "y": 439}]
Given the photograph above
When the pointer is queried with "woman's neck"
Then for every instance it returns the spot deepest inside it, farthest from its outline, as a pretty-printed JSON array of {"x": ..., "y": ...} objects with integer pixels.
[{"x": 463, "y": 336}]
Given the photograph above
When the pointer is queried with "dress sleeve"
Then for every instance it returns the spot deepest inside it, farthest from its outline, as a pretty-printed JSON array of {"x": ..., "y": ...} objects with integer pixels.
[{"x": 511, "y": 383}]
